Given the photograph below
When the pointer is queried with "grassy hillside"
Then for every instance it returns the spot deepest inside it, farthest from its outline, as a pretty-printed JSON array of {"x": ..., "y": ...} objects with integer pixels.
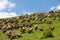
[{"x": 44, "y": 20}]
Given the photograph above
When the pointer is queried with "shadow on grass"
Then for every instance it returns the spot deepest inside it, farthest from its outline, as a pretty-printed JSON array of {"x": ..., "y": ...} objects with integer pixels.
[{"x": 46, "y": 37}]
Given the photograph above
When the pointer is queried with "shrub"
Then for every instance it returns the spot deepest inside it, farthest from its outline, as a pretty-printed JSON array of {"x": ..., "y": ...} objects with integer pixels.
[{"x": 47, "y": 33}]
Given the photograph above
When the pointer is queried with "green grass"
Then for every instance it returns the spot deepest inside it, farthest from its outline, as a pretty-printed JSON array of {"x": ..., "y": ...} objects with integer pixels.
[{"x": 37, "y": 34}]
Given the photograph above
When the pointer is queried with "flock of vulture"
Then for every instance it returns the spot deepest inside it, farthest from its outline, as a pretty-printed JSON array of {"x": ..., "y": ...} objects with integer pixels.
[{"x": 8, "y": 24}]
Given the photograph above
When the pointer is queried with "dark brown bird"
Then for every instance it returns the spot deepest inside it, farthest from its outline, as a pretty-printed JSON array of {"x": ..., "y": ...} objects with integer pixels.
[
  {"x": 41, "y": 29},
  {"x": 3, "y": 29},
  {"x": 51, "y": 12},
  {"x": 22, "y": 25},
  {"x": 13, "y": 36},
  {"x": 30, "y": 25},
  {"x": 23, "y": 29},
  {"x": 9, "y": 27},
  {"x": 30, "y": 30},
  {"x": 51, "y": 28},
  {"x": 18, "y": 34},
  {"x": 48, "y": 22},
  {"x": 36, "y": 27},
  {"x": 9, "y": 33}
]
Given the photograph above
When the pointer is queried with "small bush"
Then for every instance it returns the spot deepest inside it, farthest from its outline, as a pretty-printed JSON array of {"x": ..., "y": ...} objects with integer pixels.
[{"x": 47, "y": 33}]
